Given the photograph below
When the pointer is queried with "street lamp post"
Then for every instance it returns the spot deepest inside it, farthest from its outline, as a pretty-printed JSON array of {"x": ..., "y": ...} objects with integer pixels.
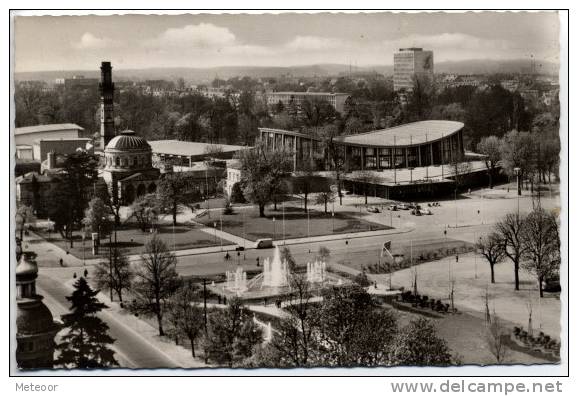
[
  {"x": 274, "y": 230},
  {"x": 221, "y": 236},
  {"x": 333, "y": 221},
  {"x": 283, "y": 210},
  {"x": 215, "y": 229}
]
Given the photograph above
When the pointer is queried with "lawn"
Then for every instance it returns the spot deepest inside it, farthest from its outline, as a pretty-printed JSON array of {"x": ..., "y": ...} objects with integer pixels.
[
  {"x": 246, "y": 223},
  {"x": 132, "y": 240}
]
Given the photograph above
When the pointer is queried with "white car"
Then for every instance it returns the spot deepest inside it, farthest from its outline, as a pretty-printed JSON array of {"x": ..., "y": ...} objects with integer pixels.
[
  {"x": 403, "y": 206},
  {"x": 426, "y": 212}
]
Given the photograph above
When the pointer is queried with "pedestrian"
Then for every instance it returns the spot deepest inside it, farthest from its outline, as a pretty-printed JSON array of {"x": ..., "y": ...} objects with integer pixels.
[
  {"x": 61, "y": 262},
  {"x": 257, "y": 261},
  {"x": 74, "y": 275},
  {"x": 86, "y": 273}
]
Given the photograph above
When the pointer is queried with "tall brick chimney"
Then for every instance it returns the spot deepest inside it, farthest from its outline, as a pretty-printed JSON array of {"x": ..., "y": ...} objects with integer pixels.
[{"x": 106, "y": 87}]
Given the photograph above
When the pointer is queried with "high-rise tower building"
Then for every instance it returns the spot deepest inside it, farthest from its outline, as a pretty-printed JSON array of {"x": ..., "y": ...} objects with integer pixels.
[
  {"x": 106, "y": 87},
  {"x": 409, "y": 63},
  {"x": 35, "y": 326}
]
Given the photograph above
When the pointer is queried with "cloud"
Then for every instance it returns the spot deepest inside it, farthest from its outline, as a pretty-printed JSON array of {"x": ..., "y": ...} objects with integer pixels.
[
  {"x": 90, "y": 41},
  {"x": 309, "y": 43},
  {"x": 201, "y": 36}
]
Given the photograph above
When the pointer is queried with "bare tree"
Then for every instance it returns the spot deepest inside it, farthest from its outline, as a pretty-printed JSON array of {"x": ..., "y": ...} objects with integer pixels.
[
  {"x": 324, "y": 198},
  {"x": 156, "y": 280},
  {"x": 510, "y": 231},
  {"x": 541, "y": 244},
  {"x": 114, "y": 274},
  {"x": 495, "y": 332},
  {"x": 493, "y": 249}
]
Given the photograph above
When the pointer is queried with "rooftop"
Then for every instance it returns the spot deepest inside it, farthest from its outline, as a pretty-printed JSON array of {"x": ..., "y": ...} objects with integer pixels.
[
  {"x": 46, "y": 128},
  {"x": 404, "y": 135},
  {"x": 186, "y": 149}
]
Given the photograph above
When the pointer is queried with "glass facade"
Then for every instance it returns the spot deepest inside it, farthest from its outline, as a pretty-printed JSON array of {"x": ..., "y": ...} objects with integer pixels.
[{"x": 385, "y": 158}]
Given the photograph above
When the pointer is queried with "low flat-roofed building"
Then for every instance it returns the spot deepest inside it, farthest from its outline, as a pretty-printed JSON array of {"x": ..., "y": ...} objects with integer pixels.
[
  {"x": 337, "y": 100},
  {"x": 61, "y": 146},
  {"x": 186, "y": 153},
  {"x": 417, "y": 144},
  {"x": 28, "y": 135}
]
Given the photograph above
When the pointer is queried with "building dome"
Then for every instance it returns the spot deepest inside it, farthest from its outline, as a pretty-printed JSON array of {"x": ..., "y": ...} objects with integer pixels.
[
  {"x": 128, "y": 141},
  {"x": 33, "y": 317},
  {"x": 26, "y": 268}
]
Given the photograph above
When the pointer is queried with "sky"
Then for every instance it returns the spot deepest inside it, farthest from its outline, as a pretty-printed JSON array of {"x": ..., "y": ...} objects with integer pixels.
[{"x": 43, "y": 43}]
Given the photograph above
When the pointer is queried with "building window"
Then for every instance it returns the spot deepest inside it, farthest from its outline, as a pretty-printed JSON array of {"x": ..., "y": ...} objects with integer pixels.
[
  {"x": 117, "y": 161},
  {"x": 399, "y": 160}
]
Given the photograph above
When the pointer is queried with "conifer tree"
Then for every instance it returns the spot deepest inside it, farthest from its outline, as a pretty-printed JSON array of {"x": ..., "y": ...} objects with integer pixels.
[{"x": 86, "y": 343}]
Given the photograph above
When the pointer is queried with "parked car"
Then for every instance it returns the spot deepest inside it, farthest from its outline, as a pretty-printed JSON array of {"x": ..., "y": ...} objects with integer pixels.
[
  {"x": 425, "y": 211},
  {"x": 264, "y": 243},
  {"x": 239, "y": 248},
  {"x": 403, "y": 206},
  {"x": 392, "y": 207},
  {"x": 372, "y": 209},
  {"x": 416, "y": 212}
]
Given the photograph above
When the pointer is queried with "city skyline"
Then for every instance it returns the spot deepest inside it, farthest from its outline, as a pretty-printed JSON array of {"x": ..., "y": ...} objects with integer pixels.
[{"x": 45, "y": 43}]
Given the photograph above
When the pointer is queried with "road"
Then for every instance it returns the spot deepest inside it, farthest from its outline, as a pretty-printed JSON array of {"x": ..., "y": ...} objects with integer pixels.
[{"x": 132, "y": 350}]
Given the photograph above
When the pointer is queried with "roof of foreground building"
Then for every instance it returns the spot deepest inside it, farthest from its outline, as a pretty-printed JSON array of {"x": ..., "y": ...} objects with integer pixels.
[
  {"x": 46, "y": 128},
  {"x": 405, "y": 135}
]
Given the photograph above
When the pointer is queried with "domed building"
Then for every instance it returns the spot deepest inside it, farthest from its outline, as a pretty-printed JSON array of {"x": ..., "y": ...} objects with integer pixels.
[
  {"x": 128, "y": 168},
  {"x": 35, "y": 326}
]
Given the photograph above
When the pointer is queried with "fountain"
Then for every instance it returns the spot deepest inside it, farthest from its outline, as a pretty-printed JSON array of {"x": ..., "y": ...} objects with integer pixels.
[
  {"x": 275, "y": 272},
  {"x": 236, "y": 280},
  {"x": 316, "y": 271},
  {"x": 274, "y": 279}
]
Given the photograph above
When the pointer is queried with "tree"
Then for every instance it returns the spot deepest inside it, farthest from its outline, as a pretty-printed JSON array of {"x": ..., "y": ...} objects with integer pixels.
[
  {"x": 420, "y": 98},
  {"x": 492, "y": 247},
  {"x": 510, "y": 231},
  {"x": 490, "y": 147},
  {"x": 85, "y": 344},
  {"x": 171, "y": 193},
  {"x": 97, "y": 217},
  {"x": 237, "y": 194},
  {"x": 323, "y": 198},
  {"x": 541, "y": 245},
  {"x": 114, "y": 274},
  {"x": 146, "y": 211},
  {"x": 366, "y": 178},
  {"x": 156, "y": 280},
  {"x": 113, "y": 204},
  {"x": 79, "y": 179},
  {"x": 518, "y": 151},
  {"x": 495, "y": 333},
  {"x": 305, "y": 181},
  {"x": 58, "y": 210},
  {"x": 24, "y": 215},
  {"x": 186, "y": 315},
  {"x": 232, "y": 335},
  {"x": 263, "y": 172},
  {"x": 353, "y": 330},
  {"x": 334, "y": 153},
  {"x": 418, "y": 344}
]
